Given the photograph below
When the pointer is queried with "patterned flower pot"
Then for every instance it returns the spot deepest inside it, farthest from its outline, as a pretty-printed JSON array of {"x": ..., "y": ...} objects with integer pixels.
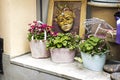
[
  {"x": 95, "y": 62},
  {"x": 38, "y": 49},
  {"x": 62, "y": 55}
]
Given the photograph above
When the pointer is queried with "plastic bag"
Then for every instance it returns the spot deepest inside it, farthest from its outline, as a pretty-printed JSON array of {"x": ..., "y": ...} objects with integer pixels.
[{"x": 97, "y": 27}]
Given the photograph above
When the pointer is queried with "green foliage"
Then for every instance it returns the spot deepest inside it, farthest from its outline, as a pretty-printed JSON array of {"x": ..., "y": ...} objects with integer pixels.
[
  {"x": 35, "y": 36},
  {"x": 62, "y": 40},
  {"x": 94, "y": 45}
]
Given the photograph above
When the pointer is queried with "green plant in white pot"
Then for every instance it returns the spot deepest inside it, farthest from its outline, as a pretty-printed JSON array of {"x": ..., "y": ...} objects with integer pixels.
[
  {"x": 93, "y": 53},
  {"x": 37, "y": 36},
  {"x": 62, "y": 47}
]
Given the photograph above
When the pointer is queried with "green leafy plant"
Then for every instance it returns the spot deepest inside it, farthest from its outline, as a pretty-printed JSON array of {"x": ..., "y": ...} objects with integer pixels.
[
  {"x": 62, "y": 40},
  {"x": 94, "y": 45}
]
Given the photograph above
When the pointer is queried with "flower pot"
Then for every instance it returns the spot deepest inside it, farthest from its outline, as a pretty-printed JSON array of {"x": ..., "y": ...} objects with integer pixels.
[
  {"x": 62, "y": 55},
  {"x": 38, "y": 49},
  {"x": 95, "y": 62}
]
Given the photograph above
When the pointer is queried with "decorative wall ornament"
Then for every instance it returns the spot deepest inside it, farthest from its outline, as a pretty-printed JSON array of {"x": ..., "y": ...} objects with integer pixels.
[{"x": 67, "y": 16}]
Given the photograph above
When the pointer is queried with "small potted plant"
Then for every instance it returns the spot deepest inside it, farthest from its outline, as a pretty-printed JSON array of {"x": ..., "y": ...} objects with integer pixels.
[
  {"x": 37, "y": 36},
  {"x": 62, "y": 47},
  {"x": 93, "y": 53}
]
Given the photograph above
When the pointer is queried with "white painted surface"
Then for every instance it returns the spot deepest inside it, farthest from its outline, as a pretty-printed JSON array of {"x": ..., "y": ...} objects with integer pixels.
[
  {"x": 15, "y": 15},
  {"x": 68, "y": 70}
]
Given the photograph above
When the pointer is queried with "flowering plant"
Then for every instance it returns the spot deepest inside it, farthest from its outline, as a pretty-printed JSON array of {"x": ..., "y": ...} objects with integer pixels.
[{"x": 39, "y": 31}]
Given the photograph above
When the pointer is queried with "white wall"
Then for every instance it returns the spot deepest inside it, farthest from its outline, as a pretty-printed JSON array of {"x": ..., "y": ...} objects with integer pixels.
[{"x": 14, "y": 18}]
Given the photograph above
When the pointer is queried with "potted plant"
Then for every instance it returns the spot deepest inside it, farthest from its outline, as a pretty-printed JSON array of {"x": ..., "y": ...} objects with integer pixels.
[
  {"x": 37, "y": 36},
  {"x": 93, "y": 53},
  {"x": 62, "y": 47}
]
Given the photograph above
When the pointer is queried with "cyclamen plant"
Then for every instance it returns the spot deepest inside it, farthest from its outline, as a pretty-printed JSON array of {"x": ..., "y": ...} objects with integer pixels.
[{"x": 39, "y": 31}]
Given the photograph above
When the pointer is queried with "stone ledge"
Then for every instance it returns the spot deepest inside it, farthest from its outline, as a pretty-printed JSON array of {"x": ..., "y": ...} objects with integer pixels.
[{"x": 73, "y": 71}]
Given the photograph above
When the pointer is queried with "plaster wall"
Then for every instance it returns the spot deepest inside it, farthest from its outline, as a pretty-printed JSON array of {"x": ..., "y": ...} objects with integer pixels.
[
  {"x": 104, "y": 13},
  {"x": 14, "y": 18}
]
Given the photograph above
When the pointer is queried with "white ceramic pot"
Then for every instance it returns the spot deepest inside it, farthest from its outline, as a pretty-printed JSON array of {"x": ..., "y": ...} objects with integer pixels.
[
  {"x": 95, "y": 62},
  {"x": 62, "y": 55},
  {"x": 38, "y": 49}
]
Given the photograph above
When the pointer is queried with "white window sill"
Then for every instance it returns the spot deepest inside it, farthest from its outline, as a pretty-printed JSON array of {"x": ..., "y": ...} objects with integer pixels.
[
  {"x": 68, "y": 70},
  {"x": 101, "y": 4}
]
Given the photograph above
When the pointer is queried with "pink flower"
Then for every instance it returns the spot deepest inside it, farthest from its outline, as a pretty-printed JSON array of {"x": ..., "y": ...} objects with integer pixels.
[
  {"x": 43, "y": 26},
  {"x": 53, "y": 33},
  {"x": 33, "y": 26},
  {"x": 31, "y": 30},
  {"x": 37, "y": 28},
  {"x": 34, "y": 21}
]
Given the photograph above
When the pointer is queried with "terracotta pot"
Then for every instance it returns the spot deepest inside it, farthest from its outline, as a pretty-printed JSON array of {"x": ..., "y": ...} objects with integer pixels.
[
  {"x": 38, "y": 49},
  {"x": 62, "y": 55}
]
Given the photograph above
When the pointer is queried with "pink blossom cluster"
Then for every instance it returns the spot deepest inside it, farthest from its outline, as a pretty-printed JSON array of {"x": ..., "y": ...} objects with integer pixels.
[{"x": 38, "y": 28}]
